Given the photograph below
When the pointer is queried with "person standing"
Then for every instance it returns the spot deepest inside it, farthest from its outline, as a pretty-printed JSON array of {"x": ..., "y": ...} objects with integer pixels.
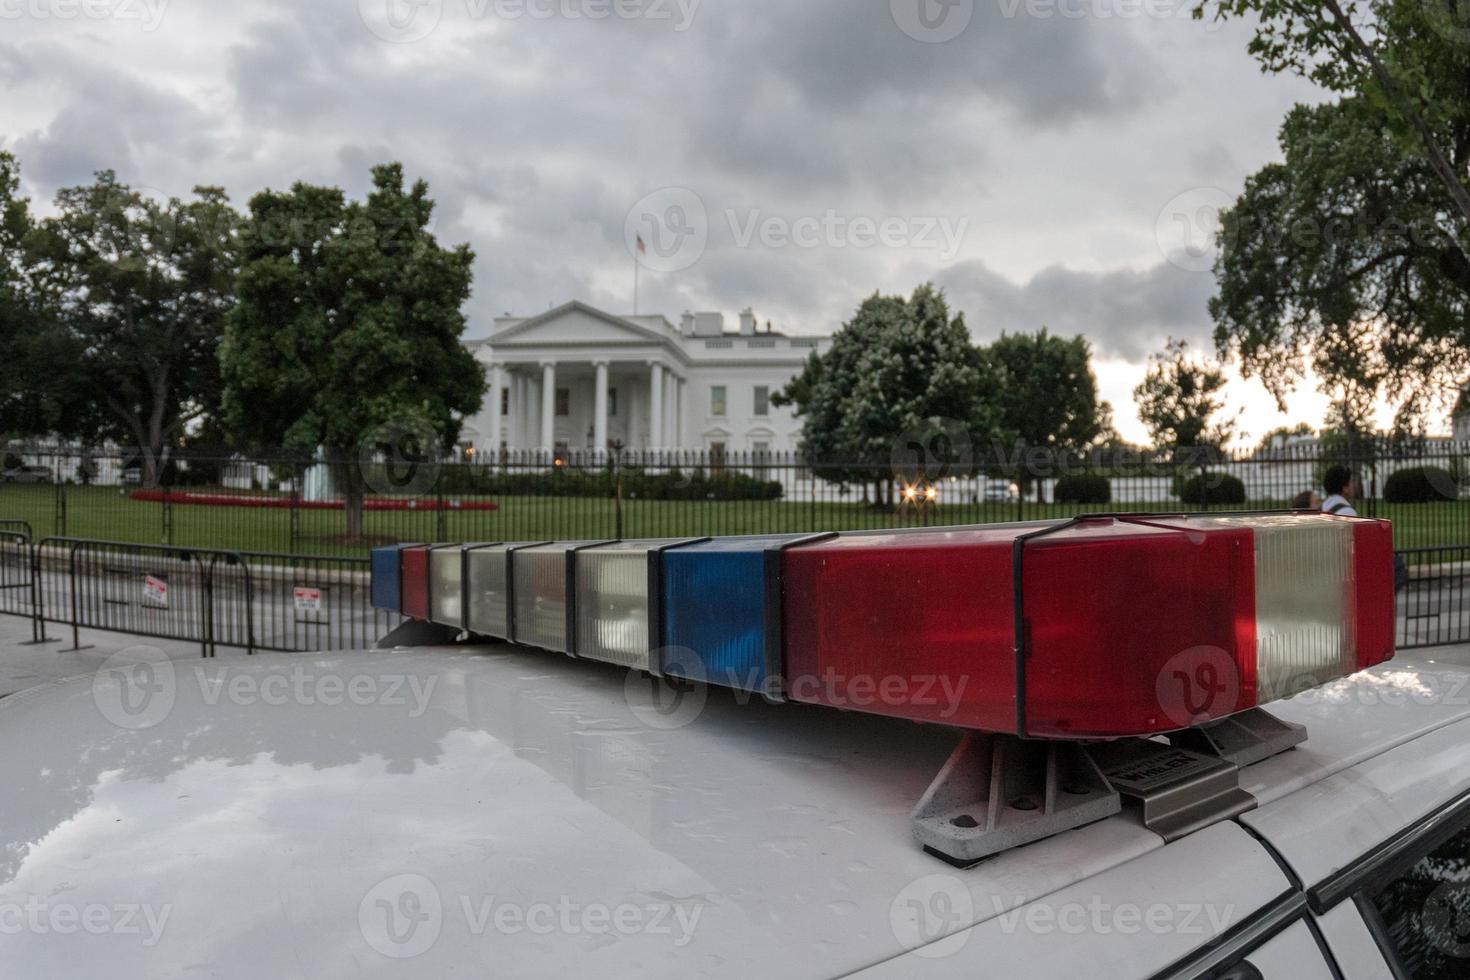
[
  {"x": 1307, "y": 500},
  {"x": 1342, "y": 488}
]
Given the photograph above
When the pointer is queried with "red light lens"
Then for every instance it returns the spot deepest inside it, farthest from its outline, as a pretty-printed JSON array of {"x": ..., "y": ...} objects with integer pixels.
[
  {"x": 1373, "y": 591},
  {"x": 917, "y": 625},
  {"x": 1132, "y": 626},
  {"x": 414, "y": 578},
  {"x": 1135, "y": 628}
]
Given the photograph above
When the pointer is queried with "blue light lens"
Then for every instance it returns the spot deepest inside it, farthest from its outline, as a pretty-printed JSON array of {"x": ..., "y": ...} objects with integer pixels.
[
  {"x": 385, "y": 592},
  {"x": 715, "y": 606}
]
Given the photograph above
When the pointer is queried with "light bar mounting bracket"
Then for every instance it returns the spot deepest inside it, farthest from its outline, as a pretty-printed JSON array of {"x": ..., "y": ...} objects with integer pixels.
[{"x": 997, "y": 792}]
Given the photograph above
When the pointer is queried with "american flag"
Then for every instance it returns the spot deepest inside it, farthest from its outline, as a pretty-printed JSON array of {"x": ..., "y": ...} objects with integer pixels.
[{"x": 642, "y": 248}]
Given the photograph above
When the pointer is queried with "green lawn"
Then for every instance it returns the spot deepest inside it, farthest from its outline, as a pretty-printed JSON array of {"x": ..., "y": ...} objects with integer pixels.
[{"x": 107, "y": 513}]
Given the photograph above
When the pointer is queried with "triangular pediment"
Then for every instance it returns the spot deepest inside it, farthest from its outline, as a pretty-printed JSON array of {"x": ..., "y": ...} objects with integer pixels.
[{"x": 574, "y": 323}]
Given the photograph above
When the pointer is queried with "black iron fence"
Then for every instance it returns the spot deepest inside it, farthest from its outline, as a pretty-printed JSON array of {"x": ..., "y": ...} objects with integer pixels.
[
  {"x": 1434, "y": 608},
  {"x": 292, "y": 506},
  {"x": 259, "y": 552}
]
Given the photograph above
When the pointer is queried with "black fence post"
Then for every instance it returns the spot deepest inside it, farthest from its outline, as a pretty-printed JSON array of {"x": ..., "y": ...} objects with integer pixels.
[
  {"x": 441, "y": 513},
  {"x": 294, "y": 520},
  {"x": 38, "y": 601},
  {"x": 58, "y": 512},
  {"x": 617, "y": 499},
  {"x": 207, "y": 646},
  {"x": 76, "y": 613}
]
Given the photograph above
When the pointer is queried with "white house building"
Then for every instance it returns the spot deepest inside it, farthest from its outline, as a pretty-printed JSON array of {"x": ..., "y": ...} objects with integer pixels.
[{"x": 578, "y": 379}]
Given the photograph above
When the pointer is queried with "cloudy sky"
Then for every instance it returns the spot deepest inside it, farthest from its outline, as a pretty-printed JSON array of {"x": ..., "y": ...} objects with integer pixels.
[{"x": 1048, "y": 162}]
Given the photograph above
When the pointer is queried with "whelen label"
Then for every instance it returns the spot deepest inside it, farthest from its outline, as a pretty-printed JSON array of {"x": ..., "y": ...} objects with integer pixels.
[{"x": 1159, "y": 769}]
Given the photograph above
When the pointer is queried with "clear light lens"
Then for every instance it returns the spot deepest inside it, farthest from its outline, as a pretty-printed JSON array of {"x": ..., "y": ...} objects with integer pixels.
[
  {"x": 612, "y": 605},
  {"x": 541, "y": 596},
  {"x": 488, "y": 592},
  {"x": 446, "y": 582}
]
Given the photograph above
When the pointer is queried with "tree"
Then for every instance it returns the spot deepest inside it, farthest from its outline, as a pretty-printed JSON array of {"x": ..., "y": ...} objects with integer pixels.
[
  {"x": 1406, "y": 57},
  {"x": 1048, "y": 394},
  {"x": 1179, "y": 401},
  {"x": 900, "y": 370},
  {"x": 139, "y": 289},
  {"x": 1352, "y": 257},
  {"x": 349, "y": 320},
  {"x": 1333, "y": 260},
  {"x": 41, "y": 390}
]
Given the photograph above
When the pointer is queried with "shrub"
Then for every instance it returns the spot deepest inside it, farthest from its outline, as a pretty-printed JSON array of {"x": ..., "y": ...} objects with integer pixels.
[
  {"x": 698, "y": 484},
  {"x": 1208, "y": 489},
  {"x": 1420, "y": 485},
  {"x": 1083, "y": 488}
]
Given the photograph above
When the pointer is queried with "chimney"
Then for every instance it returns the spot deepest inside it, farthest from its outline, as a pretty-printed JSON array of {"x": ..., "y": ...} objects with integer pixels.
[
  {"x": 686, "y": 326},
  {"x": 747, "y": 322}
]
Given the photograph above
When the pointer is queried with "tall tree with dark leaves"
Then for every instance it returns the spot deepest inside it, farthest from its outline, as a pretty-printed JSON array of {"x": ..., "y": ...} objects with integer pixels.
[
  {"x": 1351, "y": 258},
  {"x": 140, "y": 288},
  {"x": 1180, "y": 403},
  {"x": 348, "y": 325},
  {"x": 899, "y": 369},
  {"x": 1048, "y": 397},
  {"x": 42, "y": 389}
]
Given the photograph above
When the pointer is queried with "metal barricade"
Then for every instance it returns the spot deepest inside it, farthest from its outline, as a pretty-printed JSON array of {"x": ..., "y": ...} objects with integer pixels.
[
  {"x": 303, "y": 604},
  {"x": 1433, "y": 605},
  {"x": 146, "y": 590}
]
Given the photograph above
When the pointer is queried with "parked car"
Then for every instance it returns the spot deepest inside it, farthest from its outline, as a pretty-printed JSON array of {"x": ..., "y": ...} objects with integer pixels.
[
  {"x": 725, "y": 840},
  {"x": 27, "y": 474},
  {"x": 1001, "y": 493}
]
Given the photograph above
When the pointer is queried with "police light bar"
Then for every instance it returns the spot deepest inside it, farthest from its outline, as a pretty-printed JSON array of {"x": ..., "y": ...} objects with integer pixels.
[{"x": 1098, "y": 627}]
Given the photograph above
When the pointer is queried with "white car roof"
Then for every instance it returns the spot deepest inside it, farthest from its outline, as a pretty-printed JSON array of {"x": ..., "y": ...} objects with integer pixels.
[{"x": 301, "y": 816}]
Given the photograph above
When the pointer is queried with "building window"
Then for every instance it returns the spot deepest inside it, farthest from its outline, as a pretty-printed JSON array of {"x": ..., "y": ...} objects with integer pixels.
[
  {"x": 612, "y": 403},
  {"x": 716, "y": 457},
  {"x": 717, "y": 403},
  {"x": 760, "y": 458},
  {"x": 504, "y": 401},
  {"x": 762, "y": 400},
  {"x": 563, "y": 402}
]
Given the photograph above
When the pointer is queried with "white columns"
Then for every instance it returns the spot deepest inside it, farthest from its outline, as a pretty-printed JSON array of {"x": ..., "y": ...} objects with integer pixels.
[
  {"x": 656, "y": 407},
  {"x": 679, "y": 407},
  {"x": 599, "y": 410},
  {"x": 528, "y": 412},
  {"x": 671, "y": 405},
  {"x": 525, "y": 410},
  {"x": 631, "y": 398},
  {"x": 548, "y": 406},
  {"x": 518, "y": 410},
  {"x": 494, "y": 395}
]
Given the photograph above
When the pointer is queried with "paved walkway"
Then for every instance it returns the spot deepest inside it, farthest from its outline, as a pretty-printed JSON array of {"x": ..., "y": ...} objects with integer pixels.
[{"x": 23, "y": 666}]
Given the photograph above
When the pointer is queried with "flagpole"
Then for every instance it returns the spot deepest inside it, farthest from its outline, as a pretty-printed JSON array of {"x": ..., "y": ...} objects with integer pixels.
[{"x": 635, "y": 284}]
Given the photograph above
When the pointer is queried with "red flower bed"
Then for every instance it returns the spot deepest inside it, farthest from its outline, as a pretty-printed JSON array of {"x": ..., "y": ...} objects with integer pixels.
[{"x": 190, "y": 499}]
